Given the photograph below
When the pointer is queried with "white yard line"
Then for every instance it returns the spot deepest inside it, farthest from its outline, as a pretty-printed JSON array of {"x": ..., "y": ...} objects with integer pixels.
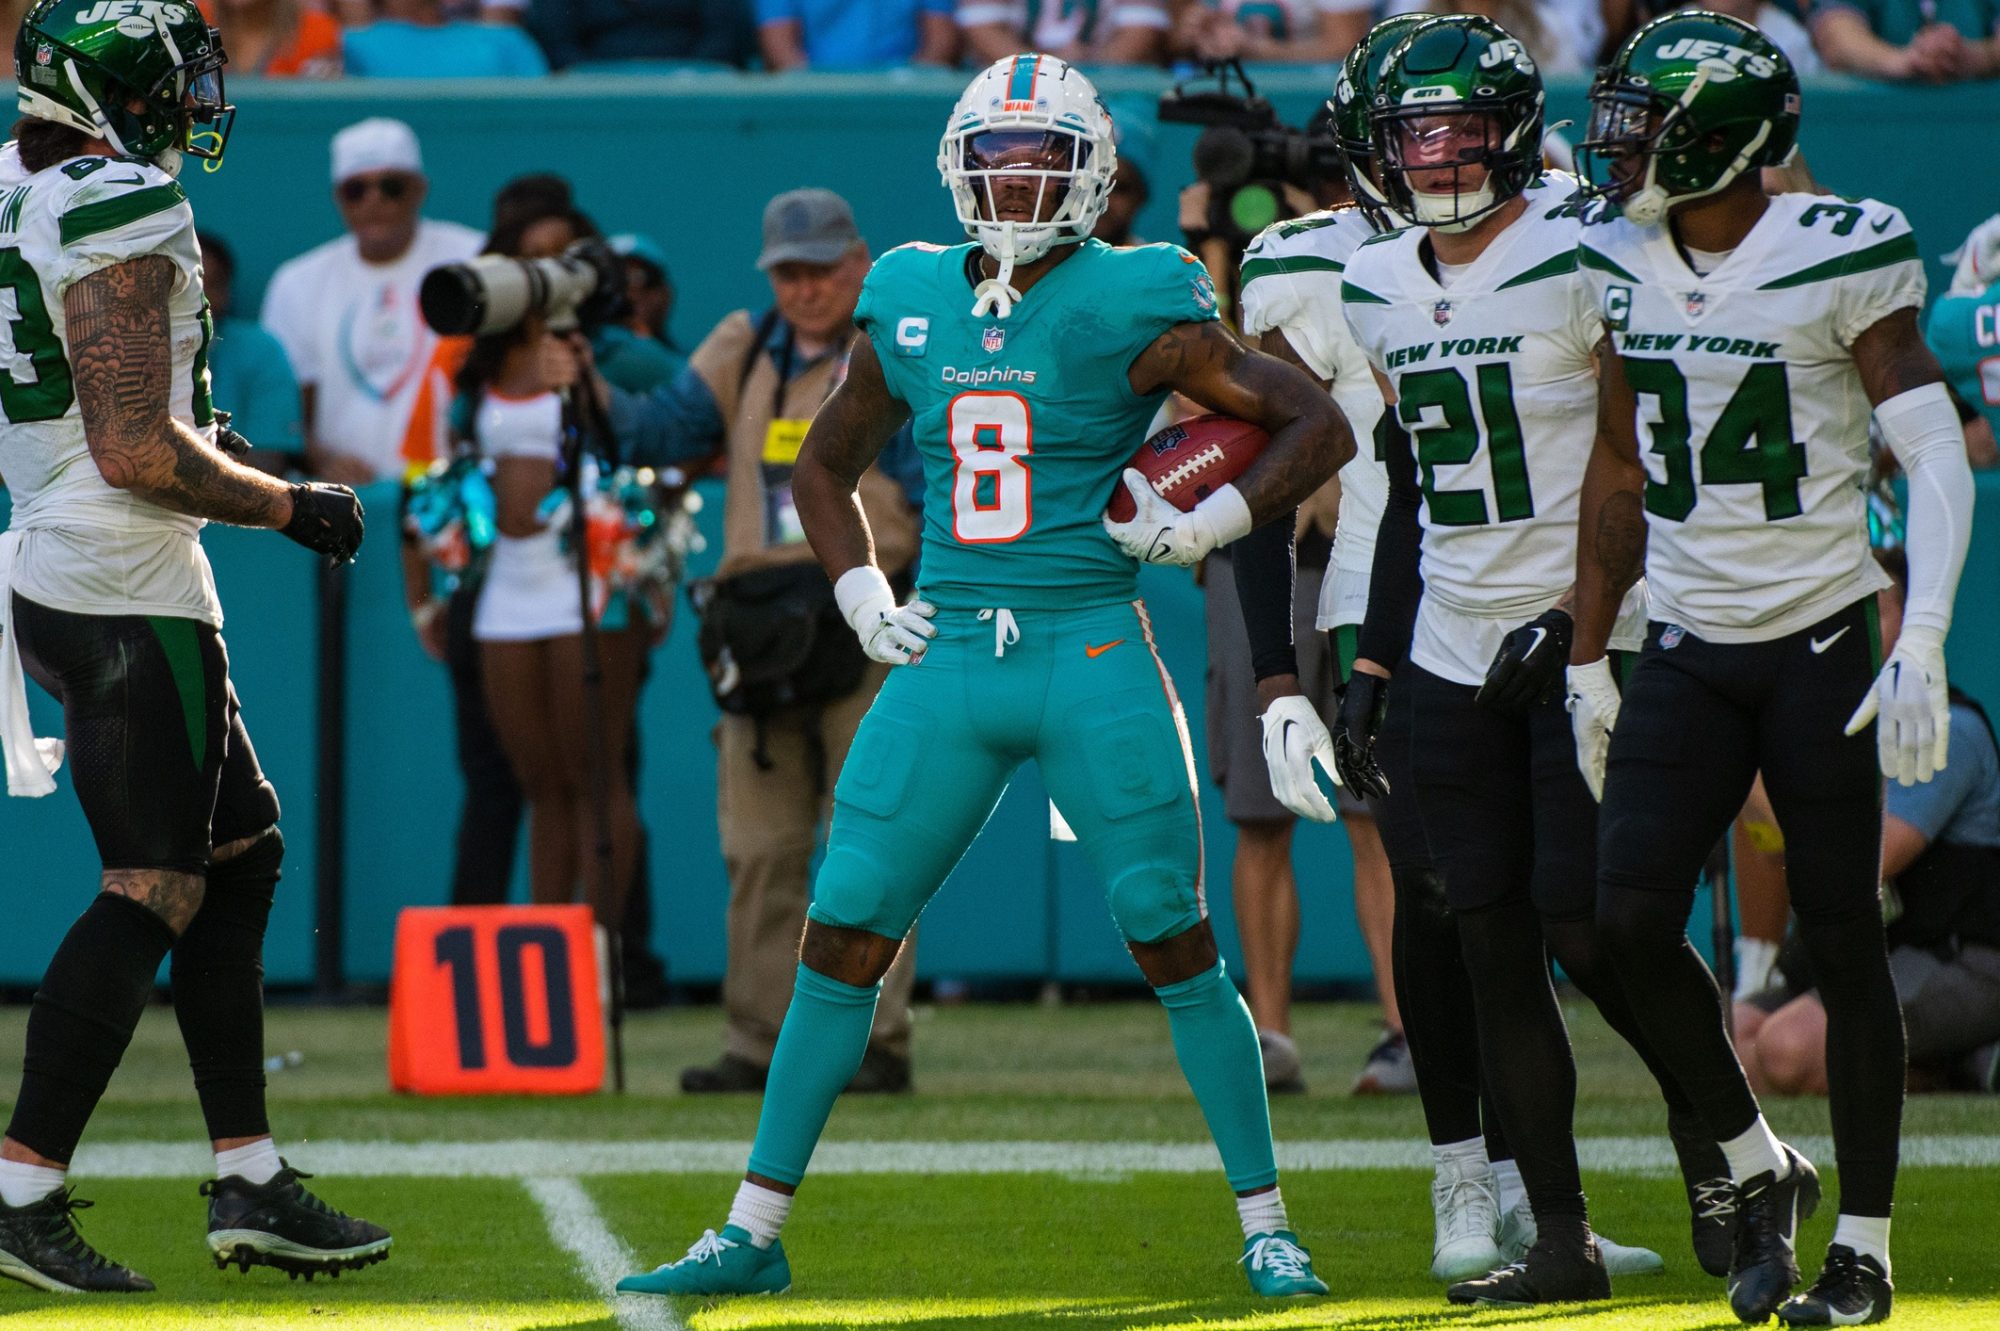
[
  {"x": 574, "y": 1223},
  {"x": 545, "y": 1159}
]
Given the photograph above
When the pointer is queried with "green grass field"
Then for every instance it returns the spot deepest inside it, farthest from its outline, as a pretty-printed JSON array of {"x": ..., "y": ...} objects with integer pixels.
[{"x": 521, "y": 1211}]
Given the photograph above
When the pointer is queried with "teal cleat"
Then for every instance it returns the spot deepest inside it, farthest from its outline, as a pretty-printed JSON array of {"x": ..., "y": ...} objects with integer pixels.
[
  {"x": 1278, "y": 1267},
  {"x": 725, "y": 1263}
]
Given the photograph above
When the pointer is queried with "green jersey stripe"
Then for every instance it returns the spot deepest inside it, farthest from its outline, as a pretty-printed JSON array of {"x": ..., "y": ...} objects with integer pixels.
[
  {"x": 121, "y": 210},
  {"x": 1354, "y": 295},
  {"x": 1553, "y": 266},
  {"x": 1590, "y": 258},
  {"x": 1902, "y": 249},
  {"x": 1293, "y": 263}
]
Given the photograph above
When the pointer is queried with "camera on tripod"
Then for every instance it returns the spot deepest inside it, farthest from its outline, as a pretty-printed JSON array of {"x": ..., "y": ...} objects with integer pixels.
[
  {"x": 583, "y": 287},
  {"x": 1245, "y": 155}
]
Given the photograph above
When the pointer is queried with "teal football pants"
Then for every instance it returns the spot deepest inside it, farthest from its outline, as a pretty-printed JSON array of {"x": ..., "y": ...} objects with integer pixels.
[{"x": 1083, "y": 693}]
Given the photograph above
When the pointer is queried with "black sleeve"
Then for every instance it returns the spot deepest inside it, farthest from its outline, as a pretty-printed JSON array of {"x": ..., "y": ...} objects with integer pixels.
[
  {"x": 1263, "y": 565},
  {"x": 1395, "y": 584}
]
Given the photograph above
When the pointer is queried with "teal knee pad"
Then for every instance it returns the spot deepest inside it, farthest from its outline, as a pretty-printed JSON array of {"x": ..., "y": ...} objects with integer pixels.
[
  {"x": 1216, "y": 1044},
  {"x": 819, "y": 1049},
  {"x": 859, "y": 888},
  {"x": 1152, "y": 902}
]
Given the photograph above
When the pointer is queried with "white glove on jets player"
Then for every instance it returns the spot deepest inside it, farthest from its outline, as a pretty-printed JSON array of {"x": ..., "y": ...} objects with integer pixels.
[
  {"x": 891, "y": 634},
  {"x": 1159, "y": 533},
  {"x": 1294, "y": 739},
  {"x": 1911, "y": 706},
  {"x": 1593, "y": 710}
]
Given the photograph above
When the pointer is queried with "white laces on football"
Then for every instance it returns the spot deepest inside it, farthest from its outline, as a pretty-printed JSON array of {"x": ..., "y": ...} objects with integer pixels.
[
  {"x": 709, "y": 1248},
  {"x": 1282, "y": 1256}
]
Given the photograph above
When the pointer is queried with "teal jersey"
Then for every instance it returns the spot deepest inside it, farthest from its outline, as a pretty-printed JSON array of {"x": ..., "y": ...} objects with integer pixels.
[
  {"x": 1024, "y": 423},
  {"x": 1964, "y": 334}
]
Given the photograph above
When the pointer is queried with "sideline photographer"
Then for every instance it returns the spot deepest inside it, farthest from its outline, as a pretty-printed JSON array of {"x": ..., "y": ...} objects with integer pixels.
[{"x": 789, "y": 677}]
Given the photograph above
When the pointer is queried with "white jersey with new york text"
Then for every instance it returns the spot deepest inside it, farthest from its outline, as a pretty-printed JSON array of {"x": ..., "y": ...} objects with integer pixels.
[
  {"x": 1495, "y": 385},
  {"x": 1291, "y": 279},
  {"x": 86, "y": 547},
  {"x": 1752, "y": 422}
]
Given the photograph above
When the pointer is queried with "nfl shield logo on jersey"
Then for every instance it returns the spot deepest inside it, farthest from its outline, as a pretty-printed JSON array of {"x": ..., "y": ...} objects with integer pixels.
[
  {"x": 1441, "y": 313},
  {"x": 1670, "y": 637},
  {"x": 994, "y": 339},
  {"x": 1697, "y": 304}
]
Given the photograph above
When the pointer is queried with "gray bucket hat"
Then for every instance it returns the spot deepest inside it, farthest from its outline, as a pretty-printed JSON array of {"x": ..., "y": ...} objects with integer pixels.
[{"x": 807, "y": 226}]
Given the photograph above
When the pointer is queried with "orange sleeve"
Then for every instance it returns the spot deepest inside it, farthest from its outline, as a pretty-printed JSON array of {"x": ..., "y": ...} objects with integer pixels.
[{"x": 427, "y": 437}]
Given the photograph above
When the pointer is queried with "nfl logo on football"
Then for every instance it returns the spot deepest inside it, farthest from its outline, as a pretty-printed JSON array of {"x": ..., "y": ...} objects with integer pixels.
[
  {"x": 1441, "y": 313},
  {"x": 993, "y": 339}
]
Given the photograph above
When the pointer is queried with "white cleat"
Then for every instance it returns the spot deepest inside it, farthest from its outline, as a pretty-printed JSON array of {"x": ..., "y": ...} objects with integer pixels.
[
  {"x": 1518, "y": 1233},
  {"x": 1468, "y": 1217}
]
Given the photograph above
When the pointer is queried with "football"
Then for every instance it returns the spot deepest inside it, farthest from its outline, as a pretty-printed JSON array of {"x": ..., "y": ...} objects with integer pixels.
[{"x": 1187, "y": 461}]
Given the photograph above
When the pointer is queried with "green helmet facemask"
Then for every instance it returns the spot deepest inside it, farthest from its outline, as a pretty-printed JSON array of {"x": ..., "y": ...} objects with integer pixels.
[
  {"x": 1690, "y": 102},
  {"x": 139, "y": 74}
]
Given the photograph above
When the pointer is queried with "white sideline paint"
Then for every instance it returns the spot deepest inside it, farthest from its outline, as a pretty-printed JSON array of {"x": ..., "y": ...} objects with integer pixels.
[
  {"x": 574, "y": 1223},
  {"x": 1649, "y": 1157}
]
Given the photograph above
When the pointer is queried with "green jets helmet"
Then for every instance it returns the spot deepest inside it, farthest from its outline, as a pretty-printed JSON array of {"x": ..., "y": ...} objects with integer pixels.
[
  {"x": 139, "y": 74},
  {"x": 1689, "y": 103},
  {"x": 1349, "y": 104},
  {"x": 1457, "y": 92}
]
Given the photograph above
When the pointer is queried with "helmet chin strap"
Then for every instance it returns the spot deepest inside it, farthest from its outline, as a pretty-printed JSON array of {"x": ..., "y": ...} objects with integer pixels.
[{"x": 1431, "y": 215}]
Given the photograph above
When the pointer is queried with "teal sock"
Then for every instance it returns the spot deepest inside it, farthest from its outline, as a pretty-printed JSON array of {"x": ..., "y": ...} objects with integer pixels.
[
  {"x": 819, "y": 1049},
  {"x": 1216, "y": 1043}
]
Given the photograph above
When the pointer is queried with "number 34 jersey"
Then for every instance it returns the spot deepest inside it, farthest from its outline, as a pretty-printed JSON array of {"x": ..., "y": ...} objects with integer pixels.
[
  {"x": 86, "y": 547},
  {"x": 1025, "y": 423},
  {"x": 1496, "y": 388},
  {"x": 1752, "y": 421}
]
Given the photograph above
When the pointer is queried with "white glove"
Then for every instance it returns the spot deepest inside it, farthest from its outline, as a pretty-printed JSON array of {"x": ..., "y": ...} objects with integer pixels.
[
  {"x": 1593, "y": 703},
  {"x": 891, "y": 634},
  {"x": 1294, "y": 739},
  {"x": 1911, "y": 705},
  {"x": 1159, "y": 533}
]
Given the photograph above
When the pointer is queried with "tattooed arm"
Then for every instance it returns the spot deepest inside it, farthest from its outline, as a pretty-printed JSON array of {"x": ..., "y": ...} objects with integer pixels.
[
  {"x": 1611, "y": 522},
  {"x": 1310, "y": 438},
  {"x": 121, "y": 357},
  {"x": 850, "y": 429}
]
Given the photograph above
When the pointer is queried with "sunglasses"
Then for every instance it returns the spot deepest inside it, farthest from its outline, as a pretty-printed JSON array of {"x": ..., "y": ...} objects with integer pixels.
[{"x": 355, "y": 188}]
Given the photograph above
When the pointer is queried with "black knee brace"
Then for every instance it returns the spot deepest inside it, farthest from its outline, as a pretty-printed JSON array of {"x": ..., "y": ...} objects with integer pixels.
[
  {"x": 89, "y": 1003},
  {"x": 218, "y": 979}
]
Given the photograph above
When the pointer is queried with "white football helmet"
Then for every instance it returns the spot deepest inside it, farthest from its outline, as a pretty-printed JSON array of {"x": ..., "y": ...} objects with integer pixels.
[{"x": 998, "y": 116}]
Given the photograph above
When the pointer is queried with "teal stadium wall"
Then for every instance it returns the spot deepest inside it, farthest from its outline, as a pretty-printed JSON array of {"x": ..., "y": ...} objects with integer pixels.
[{"x": 691, "y": 158}]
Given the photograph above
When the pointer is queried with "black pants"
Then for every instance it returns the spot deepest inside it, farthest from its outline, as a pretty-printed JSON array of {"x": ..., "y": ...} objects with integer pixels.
[
  {"x": 1513, "y": 830},
  {"x": 1699, "y": 721}
]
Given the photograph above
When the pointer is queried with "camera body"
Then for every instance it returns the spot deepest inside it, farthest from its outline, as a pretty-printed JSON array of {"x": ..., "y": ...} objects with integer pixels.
[
  {"x": 1245, "y": 155},
  {"x": 583, "y": 287}
]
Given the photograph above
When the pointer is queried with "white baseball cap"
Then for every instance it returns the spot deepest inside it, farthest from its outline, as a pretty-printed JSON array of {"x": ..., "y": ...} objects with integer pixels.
[{"x": 376, "y": 144}]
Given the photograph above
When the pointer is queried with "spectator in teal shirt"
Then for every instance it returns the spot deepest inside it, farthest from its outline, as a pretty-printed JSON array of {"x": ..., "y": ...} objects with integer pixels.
[
  {"x": 411, "y": 39},
  {"x": 248, "y": 373},
  {"x": 855, "y": 34},
  {"x": 638, "y": 354},
  {"x": 1925, "y": 41},
  {"x": 1963, "y": 331}
]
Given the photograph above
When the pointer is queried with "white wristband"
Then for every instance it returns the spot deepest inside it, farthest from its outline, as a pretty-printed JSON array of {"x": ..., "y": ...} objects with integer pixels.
[
  {"x": 858, "y": 586},
  {"x": 1226, "y": 515}
]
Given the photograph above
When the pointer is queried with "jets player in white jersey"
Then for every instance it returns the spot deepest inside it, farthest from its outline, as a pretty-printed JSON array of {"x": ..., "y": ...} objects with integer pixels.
[
  {"x": 1753, "y": 335},
  {"x": 115, "y": 459},
  {"x": 1481, "y": 332}
]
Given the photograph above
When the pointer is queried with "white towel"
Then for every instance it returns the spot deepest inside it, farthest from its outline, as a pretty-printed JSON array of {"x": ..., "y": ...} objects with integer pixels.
[{"x": 31, "y": 762}]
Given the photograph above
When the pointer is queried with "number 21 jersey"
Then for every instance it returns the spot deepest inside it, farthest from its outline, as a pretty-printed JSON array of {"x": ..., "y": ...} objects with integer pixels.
[
  {"x": 1025, "y": 423},
  {"x": 1751, "y": 419}
]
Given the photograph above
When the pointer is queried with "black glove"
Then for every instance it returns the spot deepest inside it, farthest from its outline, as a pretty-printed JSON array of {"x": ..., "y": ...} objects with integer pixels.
[
  {"x": 326, "y": 518},
  {"x": 1364, "y": 699},
  {"x": 1528, "y": 668},
  {"x": 227, "y": 440}
]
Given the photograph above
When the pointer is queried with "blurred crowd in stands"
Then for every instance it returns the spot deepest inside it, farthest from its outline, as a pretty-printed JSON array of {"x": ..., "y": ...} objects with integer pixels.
[{"x": 1924, "y": 41}]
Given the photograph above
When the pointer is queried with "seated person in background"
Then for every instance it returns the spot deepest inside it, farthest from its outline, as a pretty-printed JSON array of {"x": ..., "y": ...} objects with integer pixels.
[
  {"x": 855, "y": 34},
  {"x": 637, "y": 353},
  {"x": 1779, "y": 20},
  {"x": 248, "y": 373},
  {"x": 277, "y": 39},
  {"x": 1918, "y": 40},
  {"x": 413, "y": 39},
  {"x": 1083, "y": 32},
  {"x": 1941, "y": 894},
  {"x": 1963, "y": 331},
  {"x": 604, "y": 30},
  {"x": 1561, "y": 35},
  {"x": 1278, "y": 31}
]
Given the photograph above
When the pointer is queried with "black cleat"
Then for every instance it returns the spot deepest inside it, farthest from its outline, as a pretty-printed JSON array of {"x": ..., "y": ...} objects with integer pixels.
[
  {"x": 728, "y": 1075},
  {"x": 1711, "y": 1195},
  {"x": 280, "y": 1224},
  {"x": 1554, "y": 1271},
  {"x": 41, "y": 1246},
  {"x": 880, "y": 1073},
  {"x": 1852, "y": 1290},
  {"x": 1769, "y": 1211}
]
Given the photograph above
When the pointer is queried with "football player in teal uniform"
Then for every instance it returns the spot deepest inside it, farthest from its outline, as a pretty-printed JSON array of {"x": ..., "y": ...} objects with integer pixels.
[{"x": 1030, "y": 363}]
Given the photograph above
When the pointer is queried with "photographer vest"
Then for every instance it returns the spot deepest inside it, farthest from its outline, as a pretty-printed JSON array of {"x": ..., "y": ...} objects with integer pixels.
[{"x": 767, "y": 394}]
